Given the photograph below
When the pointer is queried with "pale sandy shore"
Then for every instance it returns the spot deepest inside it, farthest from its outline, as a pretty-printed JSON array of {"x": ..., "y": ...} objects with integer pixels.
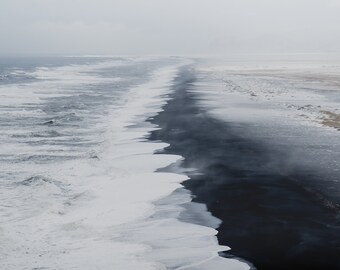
[{"x": 310, "y": 89}]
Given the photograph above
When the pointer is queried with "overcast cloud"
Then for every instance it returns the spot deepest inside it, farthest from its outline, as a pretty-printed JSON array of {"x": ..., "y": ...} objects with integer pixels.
[{"x": 169, "y": 26}]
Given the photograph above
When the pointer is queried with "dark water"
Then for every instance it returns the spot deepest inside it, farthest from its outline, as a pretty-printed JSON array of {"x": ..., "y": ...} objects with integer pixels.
[{"x": 269, "y": 217}]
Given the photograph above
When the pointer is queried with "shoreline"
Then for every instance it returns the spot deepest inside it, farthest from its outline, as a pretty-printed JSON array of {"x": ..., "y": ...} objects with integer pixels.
[
  {"x": 241, "y": 185},
  {"x": 293, "y": 85}
]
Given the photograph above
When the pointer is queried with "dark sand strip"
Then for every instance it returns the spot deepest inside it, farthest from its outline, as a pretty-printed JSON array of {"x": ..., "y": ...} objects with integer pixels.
[{"x": 268, "y": 218}]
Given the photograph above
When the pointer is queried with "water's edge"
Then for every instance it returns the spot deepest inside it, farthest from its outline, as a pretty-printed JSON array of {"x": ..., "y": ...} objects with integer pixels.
[{"x": 267, "y": 218}]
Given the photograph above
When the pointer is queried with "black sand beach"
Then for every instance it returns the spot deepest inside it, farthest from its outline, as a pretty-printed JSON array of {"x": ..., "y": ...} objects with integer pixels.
[{"x": 268, "y": 218}]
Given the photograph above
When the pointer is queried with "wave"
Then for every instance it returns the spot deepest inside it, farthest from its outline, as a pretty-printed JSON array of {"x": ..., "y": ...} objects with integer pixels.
[{"x": 97, "y": 198}]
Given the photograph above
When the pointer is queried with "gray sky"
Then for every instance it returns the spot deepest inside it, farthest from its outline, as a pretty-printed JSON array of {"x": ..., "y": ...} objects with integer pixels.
[{"x": 169, "y": 26}]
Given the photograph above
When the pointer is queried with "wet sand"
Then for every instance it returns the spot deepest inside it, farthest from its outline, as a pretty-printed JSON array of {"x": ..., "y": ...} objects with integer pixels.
[{"x": 268, "y": 217}]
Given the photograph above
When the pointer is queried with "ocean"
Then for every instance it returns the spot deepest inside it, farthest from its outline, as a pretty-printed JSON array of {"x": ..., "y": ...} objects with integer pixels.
[
  {"x": 168, "y": 163},
  {"x": 79, "y": 180}
]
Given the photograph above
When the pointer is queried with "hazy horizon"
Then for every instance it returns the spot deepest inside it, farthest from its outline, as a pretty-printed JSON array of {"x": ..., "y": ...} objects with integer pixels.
[{"x": 153, "y": 27}]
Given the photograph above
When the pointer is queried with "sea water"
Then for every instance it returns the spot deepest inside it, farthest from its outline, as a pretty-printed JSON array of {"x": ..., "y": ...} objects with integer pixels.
[{"x": 79, "y": 181}]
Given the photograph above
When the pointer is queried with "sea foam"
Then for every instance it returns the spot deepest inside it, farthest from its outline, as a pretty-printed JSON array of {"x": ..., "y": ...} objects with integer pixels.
[{"x": 96, "y": 206}]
